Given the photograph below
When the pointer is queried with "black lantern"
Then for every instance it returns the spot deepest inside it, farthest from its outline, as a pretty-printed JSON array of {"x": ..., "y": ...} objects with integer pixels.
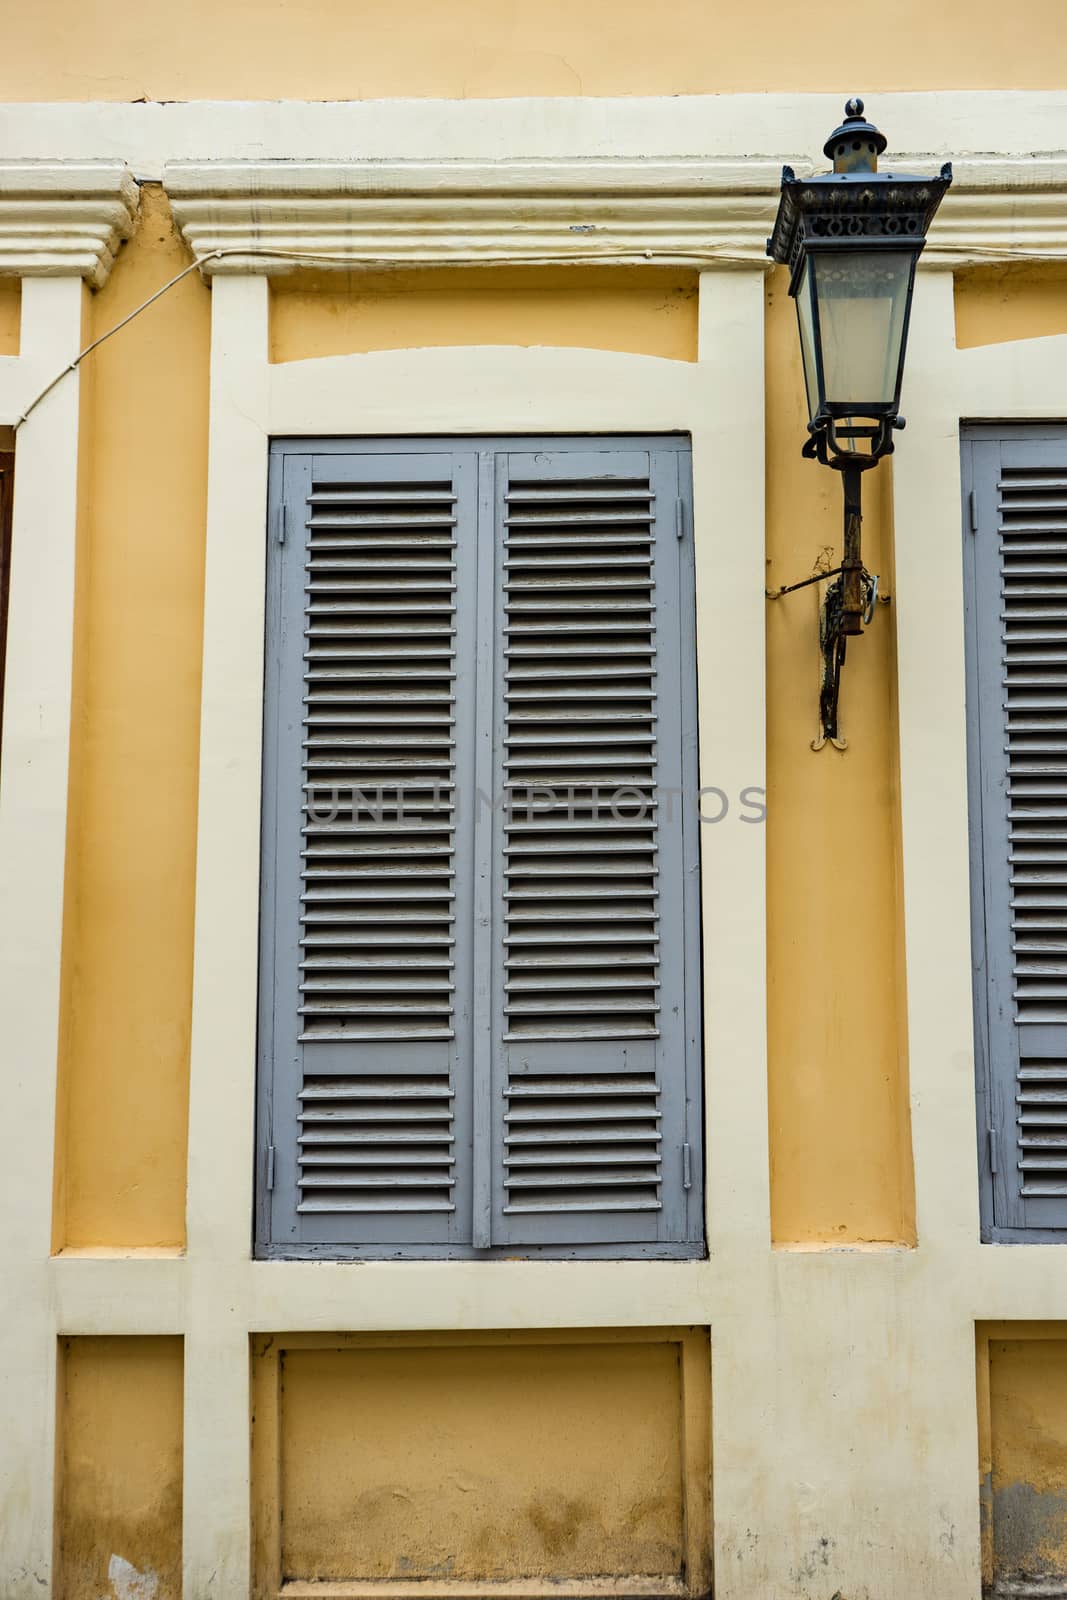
[{"x": 851, "y": 238}]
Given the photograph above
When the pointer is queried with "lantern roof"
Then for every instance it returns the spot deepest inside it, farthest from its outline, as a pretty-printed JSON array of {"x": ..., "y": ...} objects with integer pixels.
[
  {"x": 860, "y": 209},
  {"x": 855, "y": 204}
]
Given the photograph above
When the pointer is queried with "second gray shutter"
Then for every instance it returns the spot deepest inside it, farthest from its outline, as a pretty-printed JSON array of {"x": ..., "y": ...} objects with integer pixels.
[
  {"x": 594, "y": 1116},
  {"x": 1016, "y": 572}
]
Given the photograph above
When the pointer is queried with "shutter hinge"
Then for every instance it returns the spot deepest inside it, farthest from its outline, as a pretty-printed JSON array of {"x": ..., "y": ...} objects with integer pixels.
[
  {"x": 270, "y": 1166},
  {"x": 687, "y": 1166},
  {"x": 282, "y": 523},
  {"x": 992, "y": 1150},
  {"x": 679, "y": 518},
  {"x": 974, "y": 511}
]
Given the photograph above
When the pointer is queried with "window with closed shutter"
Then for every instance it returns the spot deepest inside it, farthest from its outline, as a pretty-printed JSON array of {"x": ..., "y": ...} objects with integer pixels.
[
  {"x": 1015, "y": 482},
  {"x": 480, "y": 984}
]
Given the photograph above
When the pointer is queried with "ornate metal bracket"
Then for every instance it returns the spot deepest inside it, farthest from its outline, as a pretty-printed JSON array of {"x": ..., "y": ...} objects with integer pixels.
[
  {"x": 833, "y": 641},
  {"x": 849, "y": 602}
]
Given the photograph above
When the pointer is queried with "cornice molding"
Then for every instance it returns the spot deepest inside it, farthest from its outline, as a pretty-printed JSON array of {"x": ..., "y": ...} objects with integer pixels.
[
  {"x": 685, "y": 211},
  {"x": 64, "y": 217},
  {"x": 616, "y": 210}
]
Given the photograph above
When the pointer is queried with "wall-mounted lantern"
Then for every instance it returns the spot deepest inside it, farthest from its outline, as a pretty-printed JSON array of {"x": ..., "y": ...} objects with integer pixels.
[{"x": 851, "y": 238}]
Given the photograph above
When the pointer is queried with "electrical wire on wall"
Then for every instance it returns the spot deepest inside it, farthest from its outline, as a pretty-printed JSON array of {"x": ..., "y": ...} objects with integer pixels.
[
  {"x": 713, "y": 258},
  {"x": 308, "y": 258}
]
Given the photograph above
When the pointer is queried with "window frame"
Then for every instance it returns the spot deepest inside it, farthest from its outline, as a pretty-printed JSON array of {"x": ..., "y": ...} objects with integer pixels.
[{"x": 688, "y": 1085}]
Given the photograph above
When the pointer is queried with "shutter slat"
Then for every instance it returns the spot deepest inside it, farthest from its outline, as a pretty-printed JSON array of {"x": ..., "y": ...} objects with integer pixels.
[{"x": 1035, "y": 725}]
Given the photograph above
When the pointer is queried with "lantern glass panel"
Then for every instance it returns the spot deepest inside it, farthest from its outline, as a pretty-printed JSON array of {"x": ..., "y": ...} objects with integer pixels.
[
  {"x": 806, "y": 319},
  {"x": 862, "y": 299}
]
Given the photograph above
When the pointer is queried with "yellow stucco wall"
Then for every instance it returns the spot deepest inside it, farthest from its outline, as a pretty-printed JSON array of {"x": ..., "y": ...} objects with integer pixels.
[
  {"x": 392, "y": 1459},
  {"x": 129, "y": 911},
  {"x": 839, "y": 1130},
  {"x": 838, "y": 1089},
  {"x": 997, "y": 304},
  {"x": 10, "y": 310},
  {"x": 1023, "y": 1394},
  {"x": 119, "y": 1482},
  {"x": 330, "y": 49},
  {"x": 646, "y": 312}
]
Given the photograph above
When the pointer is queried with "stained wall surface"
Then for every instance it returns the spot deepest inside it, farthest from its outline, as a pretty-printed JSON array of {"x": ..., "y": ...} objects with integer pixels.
[
  {"x": 556, "y": 1459},
  {"x": 1023, "y": 1380},
  {"x": 119, "y": 1500}
]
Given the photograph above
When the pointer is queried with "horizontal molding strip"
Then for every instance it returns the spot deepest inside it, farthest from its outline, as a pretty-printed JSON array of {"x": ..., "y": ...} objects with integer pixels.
[
  {"x": 64, "y": 217},
  {"x": 269, "y": 216},
  {"x": 688, "y": 211}
]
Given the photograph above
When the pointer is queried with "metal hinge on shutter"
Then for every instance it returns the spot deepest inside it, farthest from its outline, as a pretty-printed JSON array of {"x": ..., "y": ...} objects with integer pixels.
[
  {"x": 281, "y": 523},
  {"x": 270, "y": 1166},
  {"x": 992, "y": 1150},
  {"x": 687, "y": 1166},
  {"x": 679, "y": 518},
  {"x": 973, "y": 502}
]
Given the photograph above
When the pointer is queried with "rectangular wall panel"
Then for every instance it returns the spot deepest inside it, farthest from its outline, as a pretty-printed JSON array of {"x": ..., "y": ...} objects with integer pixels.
[{"x": 119, "y": 1483}]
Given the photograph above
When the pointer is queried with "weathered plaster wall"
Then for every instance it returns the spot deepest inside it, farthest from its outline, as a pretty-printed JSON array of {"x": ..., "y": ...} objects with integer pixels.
[
  {"x": 328, "y": 49},
  {"x": 648, "y": 312},
  {"x": 543, "y": 1457},
  {"x": 128, "y": 941},
  {"x": 118, "y": 1528},
  {"x": 1025, "y": 1473}
]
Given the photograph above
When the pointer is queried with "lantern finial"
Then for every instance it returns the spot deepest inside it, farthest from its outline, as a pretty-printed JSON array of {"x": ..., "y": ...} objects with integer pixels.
[{"x": 856, "y": 145}]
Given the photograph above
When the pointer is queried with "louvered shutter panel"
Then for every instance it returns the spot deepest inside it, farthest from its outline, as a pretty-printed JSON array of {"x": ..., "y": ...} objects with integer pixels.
[
  {"x": 1016, "y": 570},
  {"x": 596, "y": 1131},
  {"x": 365, "y": 1029}
]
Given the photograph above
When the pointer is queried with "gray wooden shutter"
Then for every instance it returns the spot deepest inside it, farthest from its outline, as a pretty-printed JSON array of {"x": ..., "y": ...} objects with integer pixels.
[
  {"x": 1016, "y": 590},
  {"x": 596, "y": 1011},
  {"x": 365, "y": 1033},
  {"x": 480, "y": 1008}
]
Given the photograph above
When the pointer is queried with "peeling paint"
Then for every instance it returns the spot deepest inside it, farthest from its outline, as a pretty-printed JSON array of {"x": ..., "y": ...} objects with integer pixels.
[{"x": 129, "y": 1584}]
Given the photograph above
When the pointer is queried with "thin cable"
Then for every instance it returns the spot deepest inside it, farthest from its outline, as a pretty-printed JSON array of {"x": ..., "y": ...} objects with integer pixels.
[
  {"x": 590, "y": 259},
  {"x": 73, "y": 366}
]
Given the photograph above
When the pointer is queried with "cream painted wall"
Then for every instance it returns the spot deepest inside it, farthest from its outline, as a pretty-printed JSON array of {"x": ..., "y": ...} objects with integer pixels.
[{"x": 330, "y": 49}]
